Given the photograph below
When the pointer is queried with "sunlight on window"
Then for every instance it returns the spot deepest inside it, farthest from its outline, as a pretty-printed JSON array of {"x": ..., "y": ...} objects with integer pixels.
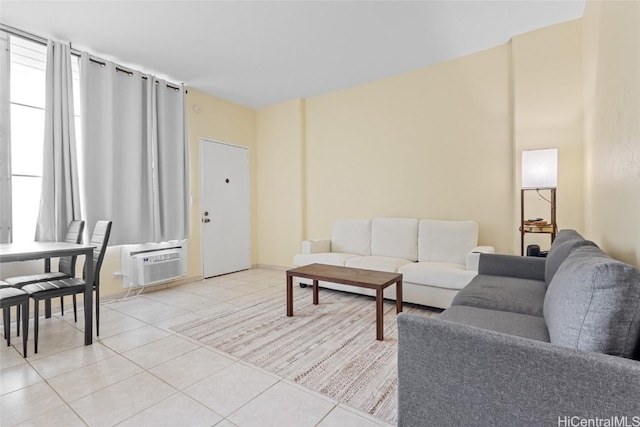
[
  {"x": 26, "y": 199},
  {"x": 21, "y": 155},
  {"x": 27, "y": 132},
  {"x": 27, "y": 86},
  {"x": 27, "y": 80}
]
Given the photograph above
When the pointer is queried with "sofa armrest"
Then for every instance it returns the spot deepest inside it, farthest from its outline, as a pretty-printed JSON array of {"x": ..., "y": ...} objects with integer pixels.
[
  {"x": 453, "y": 374},
  {"x": 316, "y": 246},
  {"x": 512, "y": 266},
  {"x": 473, "y": 257}
]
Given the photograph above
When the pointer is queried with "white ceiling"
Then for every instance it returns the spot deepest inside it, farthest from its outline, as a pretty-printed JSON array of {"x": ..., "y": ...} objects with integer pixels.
[{"x": 258, "y": 53}]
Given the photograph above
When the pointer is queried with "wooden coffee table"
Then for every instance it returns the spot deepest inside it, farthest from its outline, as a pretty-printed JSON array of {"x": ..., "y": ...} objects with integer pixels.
[{"x": 378, "y": 280}]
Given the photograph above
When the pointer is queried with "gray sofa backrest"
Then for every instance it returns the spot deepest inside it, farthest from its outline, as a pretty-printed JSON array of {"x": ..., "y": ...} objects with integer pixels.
[
  {"x": 593, "y": 304},
  {"x": 566, "y": 241}
]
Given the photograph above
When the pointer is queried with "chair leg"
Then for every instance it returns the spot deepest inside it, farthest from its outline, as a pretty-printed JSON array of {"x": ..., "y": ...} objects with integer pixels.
[
  {"x": 25, "y": 326},
  {"x": 36, "y": 315},
  {"x": 75, "y": 309},
  {"x": 97, "y": 311},
  {"x": 5, "y": 321},
  {"x": 62, "y": 306},
  {"x": 18, "y": 320}
]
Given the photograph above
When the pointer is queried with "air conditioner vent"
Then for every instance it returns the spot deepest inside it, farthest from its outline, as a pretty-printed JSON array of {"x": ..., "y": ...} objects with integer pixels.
[{"x": 153, "y": 268}]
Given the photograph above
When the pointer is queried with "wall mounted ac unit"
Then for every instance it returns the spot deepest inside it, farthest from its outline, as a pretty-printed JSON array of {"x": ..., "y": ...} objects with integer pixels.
[
  {"x": 152, "y": 264},
  {"x": 152, "y": 268}
]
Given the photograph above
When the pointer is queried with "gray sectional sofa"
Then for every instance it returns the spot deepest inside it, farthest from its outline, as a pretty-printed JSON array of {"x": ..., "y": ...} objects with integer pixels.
[{"x": 529, "y": 341}]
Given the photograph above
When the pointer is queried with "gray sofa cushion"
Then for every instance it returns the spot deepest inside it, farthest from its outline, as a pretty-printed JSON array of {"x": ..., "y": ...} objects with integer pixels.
[
  {"x": 563, "y": 245},
  {"x": 521, "y": 325},
  {"x": 593, "y": 303},
  {"x": 523, "y": 267},
  {"x": 455, "y": 375},
  {"x": 523, "y": 296}
]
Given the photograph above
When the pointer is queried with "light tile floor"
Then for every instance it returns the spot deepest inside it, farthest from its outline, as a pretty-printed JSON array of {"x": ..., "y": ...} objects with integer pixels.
[{"x": 140, "y": 373}]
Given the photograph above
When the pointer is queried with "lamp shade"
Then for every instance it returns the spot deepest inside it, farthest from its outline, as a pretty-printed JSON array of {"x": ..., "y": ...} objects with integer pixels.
[{"x": 540, "y": 168}]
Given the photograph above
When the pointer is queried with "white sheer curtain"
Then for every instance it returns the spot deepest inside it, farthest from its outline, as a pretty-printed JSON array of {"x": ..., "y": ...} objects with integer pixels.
[
  {"x": 134, "y": 154},
  {"x": 60, "y": 197}
]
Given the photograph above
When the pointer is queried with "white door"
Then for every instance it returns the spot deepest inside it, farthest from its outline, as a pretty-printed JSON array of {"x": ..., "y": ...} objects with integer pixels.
[{"x": 224, "y": 215}]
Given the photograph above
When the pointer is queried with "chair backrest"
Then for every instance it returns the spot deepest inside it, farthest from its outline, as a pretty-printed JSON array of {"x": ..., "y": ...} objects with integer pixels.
[
  {"x": 74, "y": 232},
  {"x": 99, "y": 239},
  {"x": 74, "y": 235}
]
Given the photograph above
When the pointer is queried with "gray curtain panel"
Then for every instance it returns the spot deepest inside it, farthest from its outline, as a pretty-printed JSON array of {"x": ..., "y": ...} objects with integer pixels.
[
  {"x": 170, "y": 155},
  {"x": 60, "y": 197},
  {"x": 134, "y": 168}
]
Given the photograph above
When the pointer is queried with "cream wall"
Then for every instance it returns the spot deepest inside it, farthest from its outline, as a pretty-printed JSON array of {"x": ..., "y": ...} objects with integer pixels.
[
  {"x": 432, "y": 143},
  {"x": 547, "y": 105},
  {"x": 280, "y": 172},
  {"x": 443, "y": 141},
  {"x": 223, "y": 121},
  {"x": 612, "y": 126}
]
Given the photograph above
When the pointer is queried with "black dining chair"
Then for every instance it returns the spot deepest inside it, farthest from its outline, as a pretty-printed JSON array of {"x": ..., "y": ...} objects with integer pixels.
[
  {"x": 72, "y": 286},
  {"x": 100, "y": 237},
  {"x": 66, "y": 265},
  {"x": 14, "y": 297}
]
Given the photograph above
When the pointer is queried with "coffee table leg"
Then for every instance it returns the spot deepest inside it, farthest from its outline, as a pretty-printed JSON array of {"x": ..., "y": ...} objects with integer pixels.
[
  {"x": 315, "y": 292},
  {"x": 379, "y": 314},
  {"x": 399, "y": 296},
  {"x": 289, "y": 296}
]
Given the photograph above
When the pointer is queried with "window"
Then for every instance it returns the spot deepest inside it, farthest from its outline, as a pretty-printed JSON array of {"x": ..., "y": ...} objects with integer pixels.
[
  {"x": 27, "y": 89},
  {"x": 27, "y": 83},
  {"x": 25, "y": 113}
]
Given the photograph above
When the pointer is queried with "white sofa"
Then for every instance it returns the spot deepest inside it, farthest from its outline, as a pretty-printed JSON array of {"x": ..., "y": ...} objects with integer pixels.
[{"x": 436, "y": 258}]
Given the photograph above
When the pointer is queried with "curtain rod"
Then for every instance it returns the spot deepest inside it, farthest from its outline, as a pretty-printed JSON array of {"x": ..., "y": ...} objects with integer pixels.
[
  {"x": 23, "y": 34},
  {"x": 128, "y": 72},
  {"x": 41, "y": 40}
]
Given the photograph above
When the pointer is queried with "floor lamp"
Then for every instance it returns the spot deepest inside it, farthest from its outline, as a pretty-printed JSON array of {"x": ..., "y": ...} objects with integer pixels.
[{"x": 539, "y": 172}]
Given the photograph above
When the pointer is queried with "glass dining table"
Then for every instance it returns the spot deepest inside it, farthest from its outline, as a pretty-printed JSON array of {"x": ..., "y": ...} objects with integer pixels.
[{"x": 12, "y": 252}]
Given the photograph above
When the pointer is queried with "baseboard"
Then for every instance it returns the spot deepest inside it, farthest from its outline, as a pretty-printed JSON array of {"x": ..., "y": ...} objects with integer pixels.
[{"x": 271, "y": 267}]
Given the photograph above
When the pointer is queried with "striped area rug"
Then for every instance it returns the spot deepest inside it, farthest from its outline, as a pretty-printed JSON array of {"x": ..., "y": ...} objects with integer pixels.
[{"x": 330, "y": 347}]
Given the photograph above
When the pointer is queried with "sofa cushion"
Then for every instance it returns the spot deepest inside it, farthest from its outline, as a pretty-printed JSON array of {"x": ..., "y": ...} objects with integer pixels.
[
  {"x": 395, "y": 237},
  {"x": 521, "y": 325},
  {"x": 523, "y": 296},
  {"x": 437, "y": 274},
  {"x": 376, "y": 263},
  {"x": 330, "y": 258},
  {"x": 562, "y": 246},
  {"x": 593, "y": 303},
  {"x": 446, "y": 241},
  {"x": 523, "y": 267},
  {"x": 351, "y": 236}
]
